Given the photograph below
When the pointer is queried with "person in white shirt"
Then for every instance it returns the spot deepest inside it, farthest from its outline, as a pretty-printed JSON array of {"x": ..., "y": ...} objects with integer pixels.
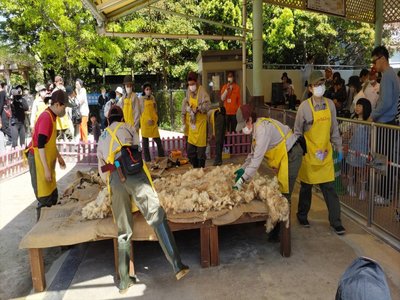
[{"x": 81, "y": 96}]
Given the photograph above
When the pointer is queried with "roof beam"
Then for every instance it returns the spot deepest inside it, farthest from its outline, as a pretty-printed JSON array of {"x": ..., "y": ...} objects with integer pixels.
[
  {"x": 130, "y": 8},
  {"x": 198, "y": 19},
  {"x": 100, "y": 18},
  {"x": 107, "y": 4},
  {"x": 171, "y": 36}
]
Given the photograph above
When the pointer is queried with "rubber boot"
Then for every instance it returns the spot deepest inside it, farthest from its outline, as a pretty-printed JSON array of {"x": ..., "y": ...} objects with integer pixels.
[
  {"x": 202, "y": 163},
  {"x": 194, "y": 161},
  {"x": 274, "y": 235},
  {"x": 167, "y": 243},
  {"x": 124, "y": 251},
  {"x": 363, "y": 192}
]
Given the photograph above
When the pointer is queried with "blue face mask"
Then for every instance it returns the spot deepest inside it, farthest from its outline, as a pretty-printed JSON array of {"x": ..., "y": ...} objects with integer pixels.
[{"x": 117, "y": 98}]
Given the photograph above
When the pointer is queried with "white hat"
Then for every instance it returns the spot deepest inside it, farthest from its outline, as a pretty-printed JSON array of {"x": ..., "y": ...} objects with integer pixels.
[{"x": 119, "y": 90}]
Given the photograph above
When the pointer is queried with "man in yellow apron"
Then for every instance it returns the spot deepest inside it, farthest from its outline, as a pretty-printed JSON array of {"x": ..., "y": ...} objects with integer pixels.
[
  {"x": 42, "y": 152},
  {"x": 124, "y": 188},
  {"x": 275, "y": 142},
  {"x": 129, "y": 104},
  {"x": 147, "y": 109},
  {"x": 196, "y": 106},
  {"x": 316, "y": 120}
]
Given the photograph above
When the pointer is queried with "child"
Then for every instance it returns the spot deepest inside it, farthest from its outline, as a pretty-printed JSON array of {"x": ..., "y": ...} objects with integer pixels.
[
  {"x": 96, "y": 131},
  {"x": 359, "y": 148}
]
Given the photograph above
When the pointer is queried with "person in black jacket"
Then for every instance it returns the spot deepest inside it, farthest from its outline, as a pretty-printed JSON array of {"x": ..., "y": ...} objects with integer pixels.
[
  {"x": 5, "y": 126},
  {"x": 19, "y": 106},
  {"x": 101, "y": 102}
]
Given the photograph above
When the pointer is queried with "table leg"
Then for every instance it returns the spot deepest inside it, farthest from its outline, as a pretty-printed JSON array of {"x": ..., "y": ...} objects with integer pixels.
[
  {"x": 37, "y": 269},
  {"x": 205, "y": 246},
  {"x": 285, "y": 240},
  {"x": 214, "y": 246},
  {"x": 115, "y": 241}
]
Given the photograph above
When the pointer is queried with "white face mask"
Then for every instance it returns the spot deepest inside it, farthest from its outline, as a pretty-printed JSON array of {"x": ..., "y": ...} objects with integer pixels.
[
  {"x": 247, "y": 130},
  {"x": 147, "y": 93},
  {"x": 319, "y": 90},
  {"x": 193, "y": 88},
  {"x": 42, "y": 94},
  {"x": 128, "y": 90},
  {"x": 104, "y": 94},
  {"x": 230, "y": 79}
]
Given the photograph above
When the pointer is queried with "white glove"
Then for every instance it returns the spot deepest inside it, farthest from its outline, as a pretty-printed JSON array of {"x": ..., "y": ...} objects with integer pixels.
[{"x": 238, "y": 184}]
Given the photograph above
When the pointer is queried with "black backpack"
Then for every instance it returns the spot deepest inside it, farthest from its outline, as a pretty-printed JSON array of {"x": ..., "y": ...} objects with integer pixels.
[{"x": 76, "y": 115}]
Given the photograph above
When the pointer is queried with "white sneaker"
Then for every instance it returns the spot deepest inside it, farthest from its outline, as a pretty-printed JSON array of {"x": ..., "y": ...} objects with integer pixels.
[
  {"x": 379, "y": 200},
  {"x": 350, "y": 190}
]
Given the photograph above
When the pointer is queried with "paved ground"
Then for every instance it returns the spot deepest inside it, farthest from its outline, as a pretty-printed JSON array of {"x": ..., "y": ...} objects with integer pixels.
[{"x": 251, "y": 268}]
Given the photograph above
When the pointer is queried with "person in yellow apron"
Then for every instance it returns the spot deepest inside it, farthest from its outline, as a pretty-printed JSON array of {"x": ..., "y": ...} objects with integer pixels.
[
  {"x": 39, "y": 104},
  {"x": 197, "y": 106},
  {"x": 316, "y": 120},
  {"x": 216, "y": 130},
  {"x": 276, "y": 143},
  {"x": 148, "y": 122},
  {"x": 124, "y": 188},
  {"x": 42, "y": 152},
  {"x": 129, "y": 103}
]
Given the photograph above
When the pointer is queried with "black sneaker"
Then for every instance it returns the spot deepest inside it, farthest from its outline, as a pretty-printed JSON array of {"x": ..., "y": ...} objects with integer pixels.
[
  {"x": 303, "y": 222},
  {"x": 339, "y": 230}
]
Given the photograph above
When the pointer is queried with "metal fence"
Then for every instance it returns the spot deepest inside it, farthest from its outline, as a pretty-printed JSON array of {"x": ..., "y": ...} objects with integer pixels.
[{"x": 368, "y": 179}]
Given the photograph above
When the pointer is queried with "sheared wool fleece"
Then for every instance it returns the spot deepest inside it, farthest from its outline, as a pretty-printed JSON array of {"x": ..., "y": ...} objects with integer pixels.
[{"x": 204, "y": 190}]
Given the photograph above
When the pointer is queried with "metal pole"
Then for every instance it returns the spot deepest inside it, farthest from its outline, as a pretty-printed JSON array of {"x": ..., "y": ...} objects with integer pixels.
[
  {"x": 378, "y": 22},
  {"x": 257, "y": 47},
  {"x": 244, "y": 57}
]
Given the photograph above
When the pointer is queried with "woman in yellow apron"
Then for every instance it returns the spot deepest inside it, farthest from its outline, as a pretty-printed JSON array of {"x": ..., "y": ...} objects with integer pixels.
[
  {"x": 129, "y": 103},
  {"x": 139, "y": 187},
  {"x": 316, "y": 119},
  {"x": 276, "y": 143},
  {"x": 148, "y": 122},
  {"x": 43, "y": 153},
  {"x": 197, "y": 107}
]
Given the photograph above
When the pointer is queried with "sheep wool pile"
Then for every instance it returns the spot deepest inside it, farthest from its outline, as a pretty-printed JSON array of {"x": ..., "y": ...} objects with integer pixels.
[
  {"x": 99, "y": 208},
  {"x": 210, "y": 189}
]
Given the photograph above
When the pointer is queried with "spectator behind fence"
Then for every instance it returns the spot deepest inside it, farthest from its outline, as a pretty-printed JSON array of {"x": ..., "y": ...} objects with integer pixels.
[
  {"x": 359, "y": 150},
  {"x": 17, "y": 122},
  {"x": 328, "y": 79},
  {"x": 364, "y": 74},
  {"x": 147, "y": 110},
  {"x": 5, "y": 127},
  {"x": 353, "y": 93},
  {"x": 370, "y": 90},
  {"x": 96, "y": 130},
  {"x": 82, "y": 100},
  {"x": 364, "y": 279},
  {"x": 113, "y": 99},
  {"x": 230, "y": 95},
  {"x": 101, "y": 102}
]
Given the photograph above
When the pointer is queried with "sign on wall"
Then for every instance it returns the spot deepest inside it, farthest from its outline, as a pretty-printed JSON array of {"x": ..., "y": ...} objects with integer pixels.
[{"x": 334, "y": 7}]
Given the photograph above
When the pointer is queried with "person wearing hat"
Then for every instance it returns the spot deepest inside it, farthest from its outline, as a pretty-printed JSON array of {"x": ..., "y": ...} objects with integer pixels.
[
  {"x": 194, "y": 115},
  {"x": 19, "y": 106},
  {"x": 276, "y": 143},
  {"x": 42, "y": 152},
  {"x": 133, "y": 190},
  {"x": 129, "y": 103},
  {"x": 316, "y": 120},
  {"x": 147, "y": 112},
  {"x": 39, "y": 104},
  {"x": 81, "y": 97}
]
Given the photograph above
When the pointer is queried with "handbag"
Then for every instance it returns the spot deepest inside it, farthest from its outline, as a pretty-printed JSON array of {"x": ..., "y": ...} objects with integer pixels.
[{"x": 131, "y": 159}]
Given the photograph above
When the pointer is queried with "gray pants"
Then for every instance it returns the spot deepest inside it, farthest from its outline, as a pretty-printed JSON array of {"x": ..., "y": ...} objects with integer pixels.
[
  {"x": 295, "y": 156},
  {"x": 331, "y": 199},
  {"x": 137, "y": 186},
  {"x": 18, "y": 131}
]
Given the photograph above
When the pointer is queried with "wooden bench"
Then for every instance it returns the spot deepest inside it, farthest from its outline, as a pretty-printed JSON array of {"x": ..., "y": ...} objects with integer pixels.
[{"x": 209, "y": 247}]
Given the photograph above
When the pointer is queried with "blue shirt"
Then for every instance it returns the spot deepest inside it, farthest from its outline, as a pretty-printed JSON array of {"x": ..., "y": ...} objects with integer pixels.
[{"x": 389, "y": 91}]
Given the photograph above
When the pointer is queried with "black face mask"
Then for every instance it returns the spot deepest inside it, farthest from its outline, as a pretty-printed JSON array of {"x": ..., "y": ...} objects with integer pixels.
[{"x": 17, "y": 97}]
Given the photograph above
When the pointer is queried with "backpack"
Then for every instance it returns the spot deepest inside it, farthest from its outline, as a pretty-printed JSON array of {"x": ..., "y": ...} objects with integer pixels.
[{"x": 76, "y": 115}]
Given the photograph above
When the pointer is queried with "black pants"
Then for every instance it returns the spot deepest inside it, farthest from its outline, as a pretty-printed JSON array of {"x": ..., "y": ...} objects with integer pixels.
[
  {"x": 18, "y": 131},
  {"x": 197, "y": 155},
  {"x": 6, "y": 126},
  {"x": 231, "y": 123},
  {"x": 146, "y": 148}
]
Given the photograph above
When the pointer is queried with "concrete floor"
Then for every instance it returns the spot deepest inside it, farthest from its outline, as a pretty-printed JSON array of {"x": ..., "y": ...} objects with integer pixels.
[{"x": 250, "y": 267}]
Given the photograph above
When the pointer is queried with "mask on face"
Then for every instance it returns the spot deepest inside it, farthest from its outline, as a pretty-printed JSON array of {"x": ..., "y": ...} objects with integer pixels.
[
  {"x": 230, "y": 79},
  {"x": 103, "y": 94},
  {"x": 117, "y": 98},
  {"x": 192, "y": 88},
  {"x": 319, "y": 91},
  {"x": 42, "y": 94},
  {"x": 247, "y": 130},
  {"x": 128, "y": 90},
  {"x": 147, "y": 93}
]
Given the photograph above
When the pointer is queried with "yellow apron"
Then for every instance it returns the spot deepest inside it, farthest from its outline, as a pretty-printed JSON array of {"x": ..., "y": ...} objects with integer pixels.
[
  {"x": 198, "y": 131},
  {"x": 128, "y": 111},
  {"x": 40, "y": 108},
  {"x": 111, "y": 158},
  {"x": 149, "y": 113},
  {"x": 277, "y": 157},
  {"x": 317, "y": 164},
  {"x": 212, "y": 119},
  {"x": 62, "y": 123},
  {"x": 45, "y": 188}
]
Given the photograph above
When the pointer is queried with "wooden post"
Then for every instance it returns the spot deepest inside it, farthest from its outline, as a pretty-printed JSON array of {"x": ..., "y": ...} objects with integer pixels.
[
  {"x": 37, "y": 269},
  {"x": 285, "y": 240},
  {"x": 205, "y": 246},
  {"x": 214, "y": 246},
  {"x": 115, "y": 241},
  {"x": 132, "y": 263}
]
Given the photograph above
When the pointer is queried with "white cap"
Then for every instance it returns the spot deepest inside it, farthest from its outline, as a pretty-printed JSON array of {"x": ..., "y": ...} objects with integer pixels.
[{"x": 119, "y": 90}]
